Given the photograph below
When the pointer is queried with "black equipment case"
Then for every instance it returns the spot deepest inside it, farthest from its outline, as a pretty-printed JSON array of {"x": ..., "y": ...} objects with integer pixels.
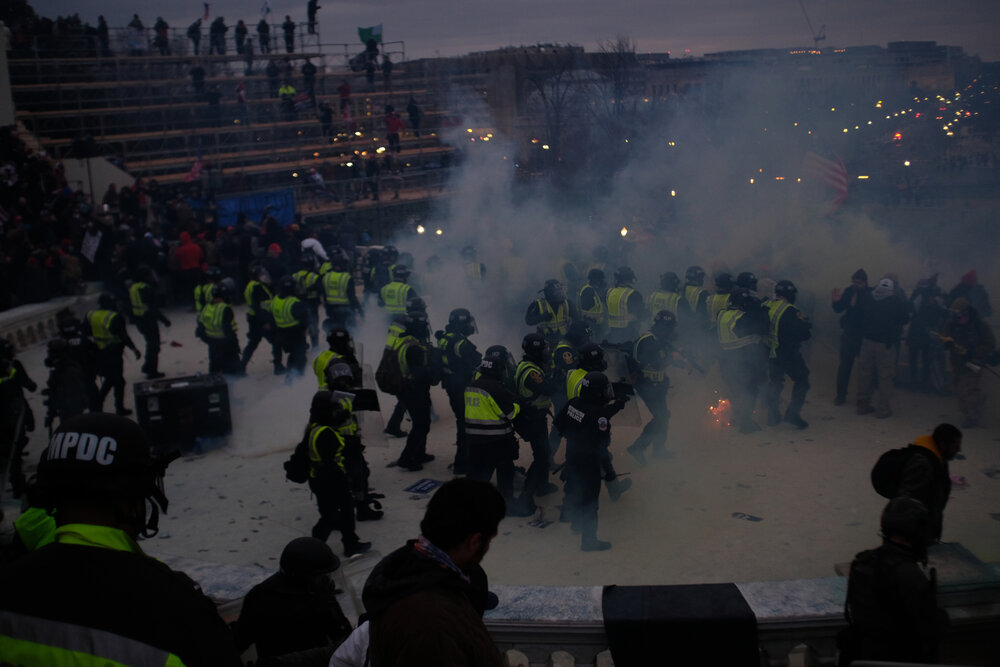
[{"x": 175, "y": 411}]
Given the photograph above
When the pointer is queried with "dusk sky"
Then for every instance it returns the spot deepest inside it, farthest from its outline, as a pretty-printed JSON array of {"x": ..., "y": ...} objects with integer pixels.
[{"x": 454, "y": 27}]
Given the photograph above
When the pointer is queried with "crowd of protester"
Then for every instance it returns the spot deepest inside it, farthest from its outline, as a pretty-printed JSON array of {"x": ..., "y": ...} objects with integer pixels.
[{"x": 53, "y": 240}]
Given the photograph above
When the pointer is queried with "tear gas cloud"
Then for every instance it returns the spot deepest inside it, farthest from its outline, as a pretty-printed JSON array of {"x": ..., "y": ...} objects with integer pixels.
[{"x": 706, "y": 153}]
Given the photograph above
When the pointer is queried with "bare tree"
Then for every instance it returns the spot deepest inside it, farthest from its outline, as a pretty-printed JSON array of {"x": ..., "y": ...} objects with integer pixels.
[
  {"x": 551, "y": 78},
  {"x": 617, "y": 63}
]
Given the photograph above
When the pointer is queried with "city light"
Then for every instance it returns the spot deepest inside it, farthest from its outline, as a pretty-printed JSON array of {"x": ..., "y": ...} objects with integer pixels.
[
  {"x": 624, "y": 232},
  {"x": 438, "y": 231},
  {"x": 420, "y": 229}
]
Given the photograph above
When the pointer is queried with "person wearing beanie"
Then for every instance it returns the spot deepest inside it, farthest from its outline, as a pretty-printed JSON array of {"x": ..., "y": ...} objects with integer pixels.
[
  {"x": 92, "y": 596},
  {"x": 847, "y": 302},
  {"x": 974, "y": 293},
  {"x": 295, "y": 610},
  {"x": 883, "y": 316}
]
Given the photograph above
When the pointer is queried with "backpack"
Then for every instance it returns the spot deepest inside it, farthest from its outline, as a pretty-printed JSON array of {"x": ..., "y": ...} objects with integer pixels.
[
  {"x": 388, "y": 375},
  {"x": 888, "y": 470},
  {"x": 297, "y": 465}
]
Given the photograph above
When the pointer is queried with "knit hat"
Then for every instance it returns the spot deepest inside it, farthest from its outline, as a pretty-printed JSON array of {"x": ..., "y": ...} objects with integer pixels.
[
  {"x": 884, "y": 289},
  {"x": 274, "y": 247},
  {"x": 970, "y": 278},
  {"x": 860, "y": 275}
]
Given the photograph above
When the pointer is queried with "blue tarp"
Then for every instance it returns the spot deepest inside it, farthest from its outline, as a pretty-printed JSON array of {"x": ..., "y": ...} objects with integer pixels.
[{"x": 282, "y": 203}]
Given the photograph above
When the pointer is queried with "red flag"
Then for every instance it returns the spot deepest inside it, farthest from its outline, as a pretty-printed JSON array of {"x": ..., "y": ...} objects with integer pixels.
[
  {"x": 831, "y": 173},
  {"x": 206, "y": 11}
]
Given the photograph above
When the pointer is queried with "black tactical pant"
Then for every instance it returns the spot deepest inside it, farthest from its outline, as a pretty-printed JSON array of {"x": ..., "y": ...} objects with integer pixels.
[
  {"x": 335, "y": 505},
  {"x": 794, "y": 366},
  {"x": 150, "y": 331},
  {"x": 654, "y": 395},
  {"x": 111, "y": 368}
]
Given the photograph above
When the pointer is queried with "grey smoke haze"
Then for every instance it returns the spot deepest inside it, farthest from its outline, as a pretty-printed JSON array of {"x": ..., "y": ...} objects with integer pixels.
[
  {"x": 717, "y": 220},
  {"x": 448, "y": 27}
]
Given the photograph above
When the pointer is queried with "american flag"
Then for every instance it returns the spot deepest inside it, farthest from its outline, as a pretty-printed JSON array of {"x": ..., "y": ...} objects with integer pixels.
[{"x": 831, "y": 173}]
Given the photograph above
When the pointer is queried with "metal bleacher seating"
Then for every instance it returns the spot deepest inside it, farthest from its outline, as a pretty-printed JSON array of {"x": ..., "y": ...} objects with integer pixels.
[{"x": 142, "y": 112}]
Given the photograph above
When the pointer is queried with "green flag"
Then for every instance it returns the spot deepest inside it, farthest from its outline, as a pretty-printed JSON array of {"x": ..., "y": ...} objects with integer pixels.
[{"x": 374, "y": 32}]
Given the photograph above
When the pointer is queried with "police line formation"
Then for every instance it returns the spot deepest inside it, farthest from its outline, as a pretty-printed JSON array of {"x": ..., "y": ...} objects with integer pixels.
[{"x": 563, "y": 372}]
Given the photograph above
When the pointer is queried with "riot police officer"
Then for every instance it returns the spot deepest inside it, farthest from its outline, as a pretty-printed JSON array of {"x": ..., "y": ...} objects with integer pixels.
[
  {"x": 260, "y": 323},
  {"x": 217, "y": 328},
  {"x": 653, "y": 353},
  {"x": 490, "y": 410},
  {"x": 586, "y": 421},
  {"x": 625, "y": 307},
  {"x": 459, "y": 361},
  {"x": 535, "y": 382},
  {"x": 552, "y": 312},
  {"x": 147, "y": 315},
  {"x": 290, "y": 317},
  {"x": 107, "y": 328},
  {"x": 788, "y": 330},
  {"x": 742, "y": 331}
]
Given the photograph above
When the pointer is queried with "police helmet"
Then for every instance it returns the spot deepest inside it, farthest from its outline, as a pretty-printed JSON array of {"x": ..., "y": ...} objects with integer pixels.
[
  {"x": 225, "y": 290},
  {"x": 461, "y": 320},
  {"x": 320, "y": 406},
  {"x": 670, "y": 282},
  {"x": 724, "y": 282},
  {"x": 592, "y": 358},
  {"x": 624, "y": 274},
  {"x": 67, "y": 323},
  {"x": 748, "y": 280},
  {"x": 337, "y": 261},
  {"x": 103, "y": 457},
  {"x": 213, "y": 273},
  {"x": 535, "y": 346},
  {"x": 907, "y": 518},
  {"x": 286, "y": 286},
  {"x": 786, "y": 290},
  {"x": 145, "y": 273},
  {"x": 664, "y": 325},
  {"x": 742, "y": 298},
  {"x": 578, "y": 332},
  {"x": 389, "y": 254},
  {"x": 107, "y": 301},
  {"x": 595, "y": 276},
  {"x": 596, "y": 388},
  {"x": 554, "y": 289},
  {"x": 695, "y": 275},
  {"x": 309, "y": 261},
  {"x": 260, "y": 273},
  {"x": 306, "y": 557},
  {"x": 406, "y": 259},
  {"x": 400, "y": 272},
  {"x": 339, "y": 375},
  {"x": 415, "y": 323},
  {"x": 340, "y": 340},
  {"x": 494, "y": 363},
  {"x": 416, "y": 304},
  {"x": 469, "y": 252}
]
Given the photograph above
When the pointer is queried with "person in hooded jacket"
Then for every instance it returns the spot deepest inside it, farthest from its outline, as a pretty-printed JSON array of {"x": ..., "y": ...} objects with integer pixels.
[{"x": 423, "y": 601}]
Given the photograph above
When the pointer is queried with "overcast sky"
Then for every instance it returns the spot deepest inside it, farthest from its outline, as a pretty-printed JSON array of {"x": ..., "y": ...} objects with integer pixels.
[{"x": 454, "y": 27}]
